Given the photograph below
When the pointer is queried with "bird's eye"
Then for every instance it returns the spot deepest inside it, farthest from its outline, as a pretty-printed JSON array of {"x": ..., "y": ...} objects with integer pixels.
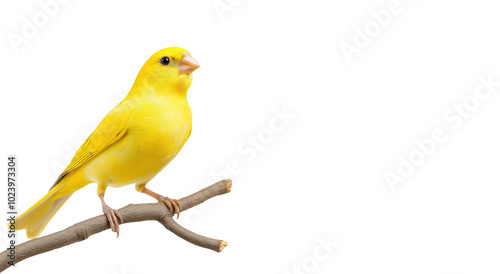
[{"x": 165, "y": 61}]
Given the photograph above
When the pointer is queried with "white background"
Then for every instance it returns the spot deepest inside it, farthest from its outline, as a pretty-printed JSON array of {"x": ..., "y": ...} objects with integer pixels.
[{"x": 319, "y": 178}]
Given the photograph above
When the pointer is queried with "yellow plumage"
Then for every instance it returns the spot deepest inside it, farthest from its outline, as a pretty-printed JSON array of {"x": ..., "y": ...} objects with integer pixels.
[{"x": 134, "y": 142}]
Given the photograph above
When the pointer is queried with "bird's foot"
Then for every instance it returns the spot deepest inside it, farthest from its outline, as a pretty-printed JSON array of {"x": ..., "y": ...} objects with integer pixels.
[
  {"x": 173, "y": 205},
  {"x": 113, "y": 216}
]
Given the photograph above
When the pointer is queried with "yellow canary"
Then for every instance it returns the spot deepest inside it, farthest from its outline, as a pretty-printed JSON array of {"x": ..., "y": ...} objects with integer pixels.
[{"x": 134, "y": 142}]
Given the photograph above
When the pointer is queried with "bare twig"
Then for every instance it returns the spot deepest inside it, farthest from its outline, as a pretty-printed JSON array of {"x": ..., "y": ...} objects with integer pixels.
[{"x": 130, "y": 213}]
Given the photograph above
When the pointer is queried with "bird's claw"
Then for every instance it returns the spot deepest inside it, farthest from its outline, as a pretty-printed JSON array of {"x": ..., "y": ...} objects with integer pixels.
[
  {"x": 113, "y": 216},
  {"x": 173, "y": 205}
]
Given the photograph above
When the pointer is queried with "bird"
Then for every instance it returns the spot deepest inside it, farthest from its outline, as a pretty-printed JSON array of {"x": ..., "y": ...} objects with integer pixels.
[{"x": 132, "y": 144}]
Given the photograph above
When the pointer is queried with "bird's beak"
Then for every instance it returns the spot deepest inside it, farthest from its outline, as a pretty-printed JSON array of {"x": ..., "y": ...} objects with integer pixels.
[{"x": 187, "y": 64}]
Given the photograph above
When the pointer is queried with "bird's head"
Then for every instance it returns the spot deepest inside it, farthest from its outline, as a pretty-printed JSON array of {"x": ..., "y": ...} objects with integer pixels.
[{"x": 169, "y": 69}]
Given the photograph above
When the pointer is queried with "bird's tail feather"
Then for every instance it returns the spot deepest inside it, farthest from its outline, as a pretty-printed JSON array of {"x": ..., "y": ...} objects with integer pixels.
[{"x": 36, "y": 218}]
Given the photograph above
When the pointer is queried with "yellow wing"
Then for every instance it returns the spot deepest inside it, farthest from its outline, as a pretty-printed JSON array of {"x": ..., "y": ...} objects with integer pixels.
[{"x": 111, "y": 129}]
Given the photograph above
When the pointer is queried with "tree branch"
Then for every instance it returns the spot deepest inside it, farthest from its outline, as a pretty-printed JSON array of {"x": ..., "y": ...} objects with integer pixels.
[{"x": 130, "y": 213}]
